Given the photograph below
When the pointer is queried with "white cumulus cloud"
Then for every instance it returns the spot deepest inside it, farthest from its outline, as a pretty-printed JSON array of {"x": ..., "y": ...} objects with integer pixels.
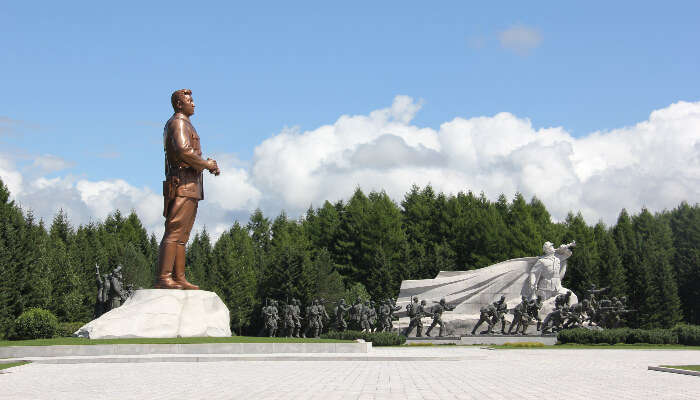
[{"x": 654, "y": 163}]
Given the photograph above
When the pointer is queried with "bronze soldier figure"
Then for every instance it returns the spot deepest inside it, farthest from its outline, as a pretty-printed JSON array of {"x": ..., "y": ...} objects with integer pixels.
[
  {"x": 340, "y": 312},
  {"x": 99, "y": 301},
  {"x": 437, "y": 310},
  {"x": 182, "y": 190},
  {"x": 501, "y": 311},
  {"x": 488, "y": 314}
]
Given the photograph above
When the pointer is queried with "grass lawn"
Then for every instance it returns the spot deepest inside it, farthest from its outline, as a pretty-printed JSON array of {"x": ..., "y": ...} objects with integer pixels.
[
  {"x": 233, "y": 339},
  {"x": 685, "y": 367},
  {"x": 13, "y": 364},
  {"x": 619, "y": 346}
]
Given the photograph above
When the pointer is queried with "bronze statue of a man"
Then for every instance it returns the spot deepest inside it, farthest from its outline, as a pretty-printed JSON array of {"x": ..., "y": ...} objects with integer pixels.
[{"x": 182, "y": 190}]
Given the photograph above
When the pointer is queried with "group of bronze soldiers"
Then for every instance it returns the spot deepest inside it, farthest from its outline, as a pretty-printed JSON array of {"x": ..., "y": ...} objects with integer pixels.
[
  {"x": 416, "y": 311},
  {"x": 285, "y": 319},
  {"x": 523, "y": 315},
  {"x": 110, "y": 291},
  {"x": 605, "y": 313}
]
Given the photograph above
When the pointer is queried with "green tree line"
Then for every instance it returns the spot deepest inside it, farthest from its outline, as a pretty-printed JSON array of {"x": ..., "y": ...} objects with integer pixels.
[{"x": 360, "y": 247}]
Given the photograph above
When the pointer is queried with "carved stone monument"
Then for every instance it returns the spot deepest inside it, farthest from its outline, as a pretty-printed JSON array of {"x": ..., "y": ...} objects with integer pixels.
[
  {"x": 158, "y": 313},
  {"x": 470, "y": 291}
]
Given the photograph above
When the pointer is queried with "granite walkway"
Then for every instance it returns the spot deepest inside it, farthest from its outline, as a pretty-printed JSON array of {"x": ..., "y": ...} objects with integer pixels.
[{"x": 462, "y": 373}]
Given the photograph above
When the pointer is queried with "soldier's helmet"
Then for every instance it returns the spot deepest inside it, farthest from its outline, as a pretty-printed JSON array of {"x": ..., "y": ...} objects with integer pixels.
[
  {"x": 614, "y": 298},
  {"x": 422, "y": 302},
  {"x": 523, "y": 298},
  {"x": 341, "y": 301},
  {"x": 539, "y": 297},
  {"x": 442, "y": 301},
  {"x": 568, "y": 292},
  {"x": 415, "y": 299},
  {"x": 623, "y": 299},
  {"x": 503, "y": 298},
  {"x": 585, "y": 302}
]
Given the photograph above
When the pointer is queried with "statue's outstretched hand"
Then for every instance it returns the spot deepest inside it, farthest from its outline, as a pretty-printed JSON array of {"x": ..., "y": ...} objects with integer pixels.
[{"x": 213, "y": 167}]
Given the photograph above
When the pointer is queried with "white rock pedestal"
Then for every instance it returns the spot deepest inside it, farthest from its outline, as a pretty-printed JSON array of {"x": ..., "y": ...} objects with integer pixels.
[{"x": 162, "y": 313}]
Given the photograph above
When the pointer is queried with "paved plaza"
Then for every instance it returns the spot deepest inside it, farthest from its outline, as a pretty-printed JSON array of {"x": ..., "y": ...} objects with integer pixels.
[{"x": 466, "y": 373}]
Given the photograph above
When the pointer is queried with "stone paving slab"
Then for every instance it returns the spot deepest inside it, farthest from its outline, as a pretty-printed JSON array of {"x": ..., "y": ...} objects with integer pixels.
[{"x": 497, "y": 374}]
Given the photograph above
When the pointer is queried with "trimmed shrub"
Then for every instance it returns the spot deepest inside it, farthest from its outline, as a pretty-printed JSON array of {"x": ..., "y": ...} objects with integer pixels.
[
  {"x": 35, "y": 323},
  {"x": 688, "y": 335},
  {"x": 67, "y": 329},
  {"x": 614, "y": 336},
  {"x": 377, "y": 338}
]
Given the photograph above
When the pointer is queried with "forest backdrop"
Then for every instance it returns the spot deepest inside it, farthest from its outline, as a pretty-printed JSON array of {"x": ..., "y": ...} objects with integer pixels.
[{"x": 364, "y": 246}]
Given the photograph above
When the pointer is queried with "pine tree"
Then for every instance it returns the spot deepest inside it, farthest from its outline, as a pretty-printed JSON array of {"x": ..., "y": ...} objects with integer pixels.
[
  {"x": 199, "y": 260},
  {"x": 661, "y": 306},
  {"x": 610, "y": 271},
  {"x": 234, "y": 275},
  {"x": 685, "y": 225},
  {"x": 636, "y": 277},
  {"x": 581, "y": 271}
]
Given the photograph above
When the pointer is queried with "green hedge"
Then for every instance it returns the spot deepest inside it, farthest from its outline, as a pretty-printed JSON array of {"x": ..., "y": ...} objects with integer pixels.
[
  {"x": 377, "y": 338},
  {"x": 681, "y": 334},
  {"x": 67, "y": 329},
  {"x": 35, "y": 323},
  {"x": 688, "y": 334}
]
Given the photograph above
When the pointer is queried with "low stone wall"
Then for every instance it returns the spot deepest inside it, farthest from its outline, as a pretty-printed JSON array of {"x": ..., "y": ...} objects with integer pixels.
[{"x": 198, "y": 348}]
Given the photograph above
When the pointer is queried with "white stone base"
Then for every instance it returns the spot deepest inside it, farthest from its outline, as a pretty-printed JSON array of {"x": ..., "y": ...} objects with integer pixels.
[{"x": 162, "y": 313}]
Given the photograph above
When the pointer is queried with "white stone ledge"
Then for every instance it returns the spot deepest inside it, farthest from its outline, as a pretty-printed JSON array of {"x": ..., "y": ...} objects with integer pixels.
[{"x": 196, "y": 348}]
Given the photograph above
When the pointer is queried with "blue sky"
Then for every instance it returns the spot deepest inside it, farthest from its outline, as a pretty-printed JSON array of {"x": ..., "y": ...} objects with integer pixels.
[{"x": 89, "y": 84}]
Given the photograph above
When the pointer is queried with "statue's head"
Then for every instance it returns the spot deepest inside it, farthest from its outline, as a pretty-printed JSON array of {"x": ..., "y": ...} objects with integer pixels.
[
  {"x": 614, "y": 299},
  {"x": 422, "y": 302},
  {"x": 415, "y": 299},
  {"x": 181, "y": 101},
  {"x": 523, "y": 298},
  {"x": 540, "y": 298},
  {"x": 442, "y": 301},
  {"x": 341, "y": 301},
  {"x": 548, "y": 248},
  {"x": 568, "y": 294},
  {"x": 503, "y": 298}
]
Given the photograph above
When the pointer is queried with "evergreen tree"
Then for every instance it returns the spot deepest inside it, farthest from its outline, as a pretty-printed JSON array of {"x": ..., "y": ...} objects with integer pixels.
[
  {"x": 685, "y": 225},
  {"x": 581, "y": 271},
  {"x": 636, "y": 276},
  {"x": 235, "y": 278},
  {"x": 199, "y": 260},
  {"x": 321, "y": 280},
  {"x": 661, "y": 305},
  {"x": 610, "y": 271}
]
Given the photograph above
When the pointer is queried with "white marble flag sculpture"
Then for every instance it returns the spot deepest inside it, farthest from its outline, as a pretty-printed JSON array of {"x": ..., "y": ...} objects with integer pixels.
[{"x": 471, "y": 290}]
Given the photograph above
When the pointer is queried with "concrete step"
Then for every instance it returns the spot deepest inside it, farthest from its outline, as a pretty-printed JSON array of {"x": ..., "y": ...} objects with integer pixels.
[{"x": 181, "y": 349}]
